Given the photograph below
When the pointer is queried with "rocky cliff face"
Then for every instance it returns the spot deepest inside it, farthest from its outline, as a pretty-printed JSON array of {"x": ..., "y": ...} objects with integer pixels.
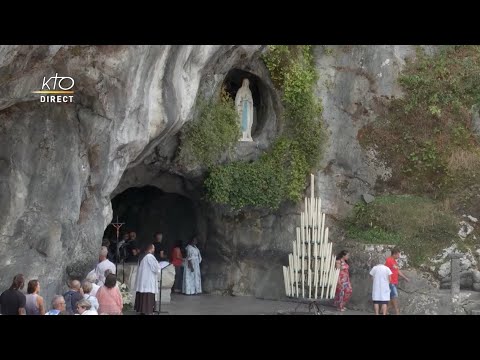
[
  {"x": 60, "y": 164},
  {"x": 354, "y": 84}
]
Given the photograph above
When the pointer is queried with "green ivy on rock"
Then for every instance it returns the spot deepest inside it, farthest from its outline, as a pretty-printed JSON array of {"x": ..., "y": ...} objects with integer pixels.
[
  {"x": 214, "y": 132},
  {"x": 279, "y": 174}
]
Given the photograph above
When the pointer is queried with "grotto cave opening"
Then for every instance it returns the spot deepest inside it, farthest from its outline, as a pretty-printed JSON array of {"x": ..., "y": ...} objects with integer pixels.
[{"x": 148, "y": 209}]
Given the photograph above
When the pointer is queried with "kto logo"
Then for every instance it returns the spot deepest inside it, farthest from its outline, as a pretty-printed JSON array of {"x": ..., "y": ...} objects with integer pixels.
[{"x": 64, "y": 84}]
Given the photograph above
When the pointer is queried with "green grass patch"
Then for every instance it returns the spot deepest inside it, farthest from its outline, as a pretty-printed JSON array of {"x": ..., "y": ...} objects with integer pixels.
[
  {"x": 423, "y": 134},
  {"x": 419, "y": 226}
]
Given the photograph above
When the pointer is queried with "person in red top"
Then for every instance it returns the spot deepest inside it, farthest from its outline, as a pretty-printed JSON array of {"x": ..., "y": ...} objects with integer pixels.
[
  {"x": 391, "y": 263},
  {"x": 177, "y": 261}
]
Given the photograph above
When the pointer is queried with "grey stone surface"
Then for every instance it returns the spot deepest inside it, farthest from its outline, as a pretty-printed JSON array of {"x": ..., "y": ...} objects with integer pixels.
[
  {"x": 468, "y": 267},
  {"x": 60, "y": 163},
  {"x": 368, "y": 198},
  {"x": 455, "y": 273},
  {"x": 466, "y": 281},
  {"x": 445, "y": 270},
  {"x": 472, "y": 219},
  {"x": 207, "y": 304},
  {"x": 354, "y": 84},
  {"x": 244, "y": 254},
  {"x": 465, "y": 229},
  {"x": 469, "y": 302},
  {"x": 476, "y": 276}
]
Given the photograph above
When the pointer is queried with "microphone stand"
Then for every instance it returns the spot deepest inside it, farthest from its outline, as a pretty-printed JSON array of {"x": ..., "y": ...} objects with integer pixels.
[
  {"x": 159, "y": 307},
  {"x": 123, "y": 269}
]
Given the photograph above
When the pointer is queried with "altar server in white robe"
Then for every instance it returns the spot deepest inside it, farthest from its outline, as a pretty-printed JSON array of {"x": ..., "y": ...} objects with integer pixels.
[{"x": 146, "y": 282}]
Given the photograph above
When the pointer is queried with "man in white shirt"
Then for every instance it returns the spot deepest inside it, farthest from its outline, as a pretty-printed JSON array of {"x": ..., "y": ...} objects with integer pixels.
[
  {"x": 103, "y": 265},
  {"x": 381, "y": 287}
]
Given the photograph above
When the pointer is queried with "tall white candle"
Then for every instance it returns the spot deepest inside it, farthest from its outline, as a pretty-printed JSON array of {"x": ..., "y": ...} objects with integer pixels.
[
  {"x": 329, "y": 280},
  {"x": 312, "y": 185},
  {"x": 333, "y": 284},
  {"x": 315, "y": 278},
  {"x": 319, "y": 212},
  {"x": 305, "y": 212},
  {"x": 291, "y": 262},
  {"x": 302, "y": 276},
  {"x": 294, "y": 255},
  {"x": 335, "y": 281},
  {"x": 322, "y": 230},
  {"x": 322, "y": 271},
  {"x": 326, "y": 273},
  {"x": 292, "y": 282}
]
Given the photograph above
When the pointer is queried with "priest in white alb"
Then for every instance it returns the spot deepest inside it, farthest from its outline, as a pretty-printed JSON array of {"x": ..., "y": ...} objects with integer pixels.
[{"x": 146, "y": 282}]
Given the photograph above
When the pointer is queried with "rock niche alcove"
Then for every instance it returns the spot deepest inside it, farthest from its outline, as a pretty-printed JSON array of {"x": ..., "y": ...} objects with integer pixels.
[{"x": 260, "y": 95}]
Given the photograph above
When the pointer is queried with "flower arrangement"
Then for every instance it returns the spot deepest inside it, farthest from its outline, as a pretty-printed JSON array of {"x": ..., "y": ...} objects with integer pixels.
[{"x": 127, "y": 297}]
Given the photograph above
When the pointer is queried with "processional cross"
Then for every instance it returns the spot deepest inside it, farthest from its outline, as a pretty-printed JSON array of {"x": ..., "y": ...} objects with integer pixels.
[{"x": 117, "y": 226}]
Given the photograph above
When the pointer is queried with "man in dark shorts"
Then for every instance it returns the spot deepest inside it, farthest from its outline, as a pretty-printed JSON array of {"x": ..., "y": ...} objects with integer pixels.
[
  {"x": 391, "y": 263},
  {"x": 381, "y": 291},
  {"x": 12, "y": 301}
]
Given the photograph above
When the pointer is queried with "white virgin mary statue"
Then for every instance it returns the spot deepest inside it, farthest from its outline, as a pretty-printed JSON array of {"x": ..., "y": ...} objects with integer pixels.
[{"x": 244, "y": 104}]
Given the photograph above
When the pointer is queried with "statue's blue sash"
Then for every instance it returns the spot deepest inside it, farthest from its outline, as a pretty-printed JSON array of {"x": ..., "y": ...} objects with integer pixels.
[{"x": 245, "y": 115}]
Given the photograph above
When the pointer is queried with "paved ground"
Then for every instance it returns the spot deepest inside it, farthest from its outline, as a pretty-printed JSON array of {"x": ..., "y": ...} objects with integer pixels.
[{"x": 239, "y": 305}]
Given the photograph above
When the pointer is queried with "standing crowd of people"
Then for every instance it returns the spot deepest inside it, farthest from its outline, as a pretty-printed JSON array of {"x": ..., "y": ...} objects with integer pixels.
[
  {"x": 385, "y": 283},
  {"x": 99, "y": 293}
]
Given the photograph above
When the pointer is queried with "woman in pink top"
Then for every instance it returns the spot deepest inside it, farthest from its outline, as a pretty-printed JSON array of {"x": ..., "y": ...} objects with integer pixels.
[{"x": 109, "y": 297}]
